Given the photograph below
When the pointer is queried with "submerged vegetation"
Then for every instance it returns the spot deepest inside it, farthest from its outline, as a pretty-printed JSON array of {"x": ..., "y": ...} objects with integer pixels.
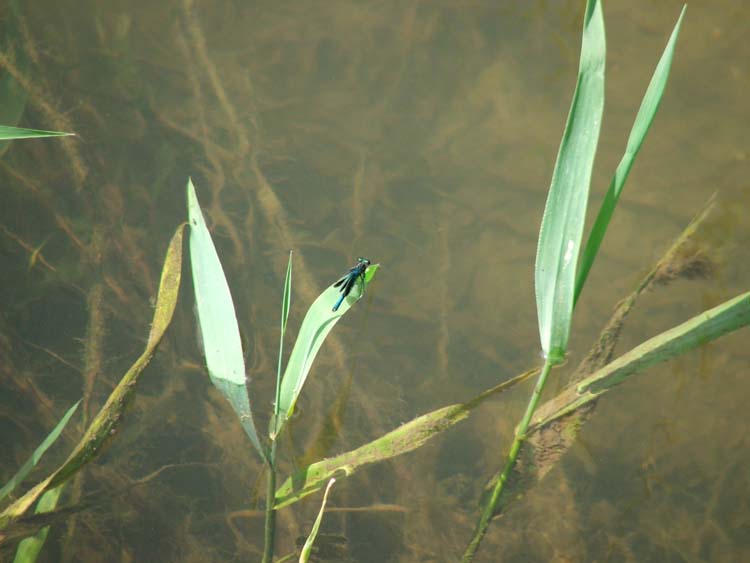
[{"x": 88, "y": 266}]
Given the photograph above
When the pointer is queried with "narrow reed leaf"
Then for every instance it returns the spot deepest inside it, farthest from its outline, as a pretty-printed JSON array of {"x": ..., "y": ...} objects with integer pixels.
[
  {"x": 217, "y": 320},
  {"x": 107, "y": 422},
  {"x": 643, "y": 121},
  {"x": 7, "y": 133},
  {"x": 286, "y": 300},
  {"x": 38, "y": 453},
  {"x": 318, "y": 322},
  {"x": 701, "y": 329},
  {"x": 29, "y": 548},
  {"x": 13, "y": 96},
  {"x": 562, "y": 224},
  {"x": 551, "y": 437},
  {"x": 306, "y": 550},
  {"x": 405, "y": 438}
]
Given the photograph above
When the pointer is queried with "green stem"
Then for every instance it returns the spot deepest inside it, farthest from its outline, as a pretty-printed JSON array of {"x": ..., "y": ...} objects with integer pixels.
[
  {"x": 269, "y": 525},
  {"x": 490, "y": 508}
]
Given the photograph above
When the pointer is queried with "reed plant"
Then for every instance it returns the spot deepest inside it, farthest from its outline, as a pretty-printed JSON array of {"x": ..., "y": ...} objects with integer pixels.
[
  {"x": 547, "y": 428},
  {"x": 16, "y": 522},
  {"x": 559, "y": 279},
  {"x": 223, "y": 350}
]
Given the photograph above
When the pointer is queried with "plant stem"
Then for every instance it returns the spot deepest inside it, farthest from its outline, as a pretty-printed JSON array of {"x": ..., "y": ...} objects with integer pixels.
[
  {"x": 269, "y": 525},
  {"x": 489, "y": 509}
]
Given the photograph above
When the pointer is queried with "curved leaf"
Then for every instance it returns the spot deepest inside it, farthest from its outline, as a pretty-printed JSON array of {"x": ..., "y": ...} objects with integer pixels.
[
  {"x": 306, "y": 550},
  {"x": 106, "y": 423},
  {"x": 318, "y": 322},
  {"x": 405, "y": 438}
]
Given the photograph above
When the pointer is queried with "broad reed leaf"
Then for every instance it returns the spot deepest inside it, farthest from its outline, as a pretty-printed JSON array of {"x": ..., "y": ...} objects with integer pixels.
[
  {"x": 106, "y": 423},
  {"x": 38, "y": 453},
  {"x": 7, "y": 133},
  {"x": 562, "y": 224},
  {"x": 403, "y": 439},
  {"x": 318, "y": 322},
  {"x": 549, "y": 439},
  {"x": 306, "y": 550},
  {"x": 217, "y": 321},
  {"x": 643, "y": 121}
]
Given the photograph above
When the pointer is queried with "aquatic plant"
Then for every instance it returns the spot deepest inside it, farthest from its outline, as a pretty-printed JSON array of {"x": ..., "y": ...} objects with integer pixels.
[
  {"x": 224, "y": 358},
  {"x": 222, "y": 139}
]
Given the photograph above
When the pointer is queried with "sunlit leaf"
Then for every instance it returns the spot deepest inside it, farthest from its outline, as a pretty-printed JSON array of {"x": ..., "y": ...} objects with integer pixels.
[
  {"x": 318, "y": 322},
  {"x": 287, "y": 297},
  {"x": 286, "y": 300},
  {"x": 557, "y": 422},
  {"x": 562, "y": 224},
  {"x": 702, "y": 328},
  {"x": 218, "y": 321},
  {"x": 405, "y": 438},
  {"x": 304, "y": 555},
  {"x": 643, "y": 121}
]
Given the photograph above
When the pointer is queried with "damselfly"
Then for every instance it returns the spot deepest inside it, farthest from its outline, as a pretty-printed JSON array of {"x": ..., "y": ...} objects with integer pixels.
[{"x": 346, "y": 283}]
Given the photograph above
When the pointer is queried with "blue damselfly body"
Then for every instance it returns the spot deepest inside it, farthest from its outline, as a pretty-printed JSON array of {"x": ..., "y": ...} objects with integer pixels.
[{"x": 354, "y": 275}]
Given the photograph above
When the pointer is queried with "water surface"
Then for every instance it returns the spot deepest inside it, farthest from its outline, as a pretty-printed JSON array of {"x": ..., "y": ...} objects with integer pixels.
[{"x": 420, "y": 135}]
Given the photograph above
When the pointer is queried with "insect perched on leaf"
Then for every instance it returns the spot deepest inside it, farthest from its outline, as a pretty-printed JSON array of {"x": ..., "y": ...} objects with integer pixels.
[{"x": 346, "y": 283}]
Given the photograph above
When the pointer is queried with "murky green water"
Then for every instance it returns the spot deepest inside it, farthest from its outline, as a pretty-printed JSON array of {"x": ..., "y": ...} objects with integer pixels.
[{"x": 423, "y": 136}]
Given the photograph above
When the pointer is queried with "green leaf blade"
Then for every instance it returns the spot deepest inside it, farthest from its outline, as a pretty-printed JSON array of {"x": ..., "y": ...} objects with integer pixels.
[
  {"x": 287, "y": 297},
  {"x": 317, "y": 324},
  {"x": 697, "y": 331},
  {"x": 106, "y": 423},
  {"x": 29, "y": 548},
  {"x": 701, "y": 329},
  {"x": 306, "y": 550},
  {"x": 286, "y": 300},
  {"x": 38, "y": 453},
  {"x": 218, "y": 321},
  {"x": 406, "y": 438},
  {"x": 13, "y": 96},
  {"x": 562, "y": 224},
  {"x": 7, "y": 133},
  {"x": 643, "y": 120}
]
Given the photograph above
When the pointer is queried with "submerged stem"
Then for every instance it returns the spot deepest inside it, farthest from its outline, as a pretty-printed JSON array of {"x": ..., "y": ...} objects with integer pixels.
[{"x": 489, "y": 509}]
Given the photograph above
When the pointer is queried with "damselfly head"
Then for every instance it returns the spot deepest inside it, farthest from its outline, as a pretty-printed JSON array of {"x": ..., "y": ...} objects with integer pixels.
[{"x": 364, "y": 261}]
